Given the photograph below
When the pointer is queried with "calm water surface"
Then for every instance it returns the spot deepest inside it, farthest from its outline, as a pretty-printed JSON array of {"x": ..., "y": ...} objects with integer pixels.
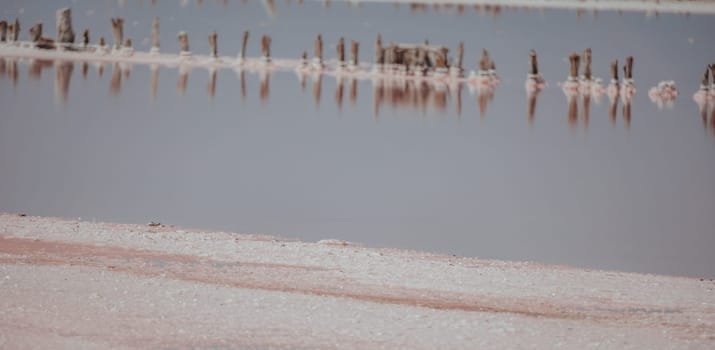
[{"x": 448, "y": 171}]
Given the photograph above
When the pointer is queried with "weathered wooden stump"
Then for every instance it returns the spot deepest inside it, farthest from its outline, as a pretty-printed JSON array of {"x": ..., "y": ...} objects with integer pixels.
[
  {"x": 155, "y": 36},
  {"x": 65, "y": 34},
  {"x": 587, "y": 64},
  {"x": 318, "y": 52},
  {"x": 117, "y": 32},
  {"x": 3, "y": 31},
  {"x": 85, "y": 38},
  {"x": 36, "y": 32},
  {"x": 354, "y": 46},
  {"x": 266, "y": 48},
  {"x": 244, "y": 44},
  {"x": 574, "y": 61},
  {"x": 213, "y": 44},
  {"x": 340, "y": 50},
  {"x": 183, "y": 38}
]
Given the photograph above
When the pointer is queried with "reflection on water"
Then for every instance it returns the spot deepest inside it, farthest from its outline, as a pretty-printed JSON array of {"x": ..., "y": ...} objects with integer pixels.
[{"x": 412, "y": 94}]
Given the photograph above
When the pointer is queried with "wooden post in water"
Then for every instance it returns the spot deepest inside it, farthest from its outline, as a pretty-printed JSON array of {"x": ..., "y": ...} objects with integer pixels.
[
  {"x": 712, "y": 71},
  {"x": 484, "y": 61},
  {"x": 13, "y": 30},
  {"x": 354, "y": 46},
  {"x": 183, "y": 38},
  {"x": 3, "y": 31},
  {"x": 16, "y": 32},
  {"x": 587, "y": 64},
  {"x": 10, "y": 32},
  {"x": 318, "y": 52},
  {"x": 213, "y": 44},
  {"x": 340, "y": 48},
  {"x": 614, "y": 72},
  {"x": 155, "y": 36},
  {"x": 304, "y": 59},
  {"x": 379, "y": 52},
  {"x": 533, "y": 64},
  {"x": 36, "y": 32},
  {"x": 244, "y": 44},
  {"x": 117, "y": 32},
  {"x": 628, "y": 69},
  {"x": 704, "y": 84},
  {"x": 85, "y": 38},
  {"x": 266, "y": 48},
  {"x": 574, "y": 60},
  {"x": 65, "y": 34}
]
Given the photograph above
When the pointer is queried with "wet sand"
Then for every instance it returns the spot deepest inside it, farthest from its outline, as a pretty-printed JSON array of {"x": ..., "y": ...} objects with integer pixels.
[{"x": 76, "y": 284}]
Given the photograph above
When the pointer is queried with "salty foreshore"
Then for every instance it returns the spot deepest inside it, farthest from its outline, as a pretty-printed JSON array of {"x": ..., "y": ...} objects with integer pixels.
[{"x": 76, "y": 284}]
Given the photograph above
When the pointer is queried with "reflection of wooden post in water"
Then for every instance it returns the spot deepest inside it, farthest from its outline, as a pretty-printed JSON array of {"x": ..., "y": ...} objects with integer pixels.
[
  {"x": 12, "y": 72},
  {"x": 183, "y": 38},
  {"x": 183, "y": 79},
  {"x": 211, "y": 88},
  {"x": 34, "y": 71},
  {"x": 354, "y": 45},
  {"x": 613, "y": 109},
  {"x": 378, "y": 94},
  {"x": 118, "y": 32},
  {"x": 573, "y": 111},
  {"x": 115, "y": 82},
  {"x": 339, "y": 93},
  {"x": 340, "y": 48},
  {"x": 457, "y": 97},
  {"x": 265, "y": 85},
  {"x": 213, "y": 44},
  {"x": 63, "y": 70},
  {"x": 627, "y": 113},
  {"x": 85, "y": 70},
  {"x": 3, "y": 31},
  {"x": 154, "y": 81},
  {"x": 3, "y": 67},
  {"x": 155, "y": 36},
  {"x": 244, "y": 44},
  {"x": 100, "y": 69},
  {"x": 65, "y": 34},
  {"x": 531, "y": 105},
  {"x": 317, "y": 87},
  {"x": 353, "y": 91},
  {"x": 586, "y": 110},
  {"x": 440, "y": 99},
  {"x": 242, "y": 76}
]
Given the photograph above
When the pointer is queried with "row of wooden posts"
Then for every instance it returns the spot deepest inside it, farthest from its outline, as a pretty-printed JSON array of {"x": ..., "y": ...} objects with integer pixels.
[{"x": 416, "y": 58}]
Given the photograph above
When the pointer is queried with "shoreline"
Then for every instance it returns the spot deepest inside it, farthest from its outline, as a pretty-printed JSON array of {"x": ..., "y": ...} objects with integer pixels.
[
  {"x": 142, "y": 278},
  {"x": 648, "y": 6}
]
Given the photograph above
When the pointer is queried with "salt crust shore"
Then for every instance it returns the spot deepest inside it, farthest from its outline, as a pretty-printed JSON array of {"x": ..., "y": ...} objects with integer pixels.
[
  {"x": 661, "y": 6},
  {"x": 68, "y": 284}
]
